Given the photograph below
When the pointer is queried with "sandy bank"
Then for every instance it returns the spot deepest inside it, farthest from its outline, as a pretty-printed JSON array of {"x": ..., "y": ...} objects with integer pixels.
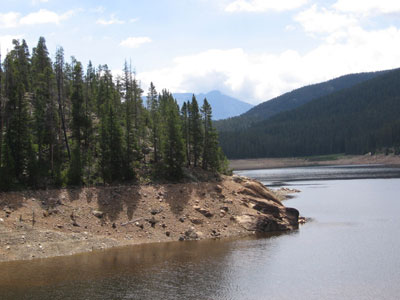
[
  {"x": 39, "y": 224},
  {"x": 270, "y": 163}
]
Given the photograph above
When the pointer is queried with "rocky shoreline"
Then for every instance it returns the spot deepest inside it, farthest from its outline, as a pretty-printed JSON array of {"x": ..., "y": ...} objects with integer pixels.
[{"x": 48, "y": 223}]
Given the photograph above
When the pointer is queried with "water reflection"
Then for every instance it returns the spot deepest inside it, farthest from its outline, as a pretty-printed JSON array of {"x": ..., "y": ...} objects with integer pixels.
[{"x": 135, "y": 272}]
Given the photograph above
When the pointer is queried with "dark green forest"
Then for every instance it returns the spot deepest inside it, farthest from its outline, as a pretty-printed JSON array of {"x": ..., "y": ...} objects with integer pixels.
[
  {"x": 292, "y": 100},
  {"x": 63, "y": 124},
  {"x": 357, "y": 120}
]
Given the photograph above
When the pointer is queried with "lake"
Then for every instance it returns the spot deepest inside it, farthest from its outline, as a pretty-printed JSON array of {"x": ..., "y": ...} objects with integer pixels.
[{"x": 350, "y": 249}]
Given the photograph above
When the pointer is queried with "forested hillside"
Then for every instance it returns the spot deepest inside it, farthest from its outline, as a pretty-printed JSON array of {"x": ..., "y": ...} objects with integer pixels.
[
  {"x": 292, "y": 100},
  {"x": 363, "y": 118},
  {"x": 61, "y": 124}
]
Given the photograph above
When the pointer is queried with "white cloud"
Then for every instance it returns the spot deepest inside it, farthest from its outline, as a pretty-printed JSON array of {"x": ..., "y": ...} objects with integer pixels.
[
  {"x": 44, "y": 16},
  {"x": 135, "y": 42},
  {"x": 368, "y": 7},
  {"x": 264, "y": 5},
  {"x": 111, "y": 21},
  {"x": 99, "y": 9},
  {"x": 9, "y": 20},
  {"x": 290, "y": 28},
  {"x": 34, "y": 2},
  {"x": 324, "y": 21},
  {"x": 6, "y": 43},
  {"x": 259, "y": 77}
]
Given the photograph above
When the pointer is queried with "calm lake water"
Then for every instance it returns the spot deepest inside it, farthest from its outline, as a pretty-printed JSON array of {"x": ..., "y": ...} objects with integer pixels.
[{"x": 350, "y": 250}]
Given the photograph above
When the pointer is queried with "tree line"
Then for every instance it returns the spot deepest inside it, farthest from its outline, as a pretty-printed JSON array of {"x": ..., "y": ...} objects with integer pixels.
[{"x": 63, "y": 125}]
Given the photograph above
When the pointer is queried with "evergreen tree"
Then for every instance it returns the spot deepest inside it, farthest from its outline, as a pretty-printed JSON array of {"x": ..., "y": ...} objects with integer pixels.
[
  {"x": 111, "y": 158},
  {"x": 153, "y": 106},
  {"x": 130, "y": 131},
  {"x": 60, "y": 127},
  {"x": 173, "y": 145},
  {"x": 2, "y": 106},
  {"x": 210, "y": 146},
  {"x": 75, "y": 174},
  {"x": 196, "y": 131},
  {"x": 18, "y": 159},
  {"x": 186, "y": 129},
  {"x": 89, "y": 144},
  {"x": 59, "y": 71},
  {"x": 45, "y": 114}
]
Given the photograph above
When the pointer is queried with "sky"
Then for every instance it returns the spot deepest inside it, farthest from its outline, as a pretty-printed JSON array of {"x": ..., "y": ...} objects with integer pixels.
[{"x": 253, "y": 50}]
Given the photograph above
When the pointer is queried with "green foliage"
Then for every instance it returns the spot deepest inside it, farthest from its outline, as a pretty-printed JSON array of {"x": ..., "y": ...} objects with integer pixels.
[
  {"x": 18, "y": 158},
  {"x": 358, "y": 120},
  {"x": 173, "y": 152},
  {"x": 210, "y": 146},
  {"x": 75, "y": 175},
  {"x": 60, "y": 127},
  {"x": 196, "y": 134},
  {"x": 292, "y": 100}
]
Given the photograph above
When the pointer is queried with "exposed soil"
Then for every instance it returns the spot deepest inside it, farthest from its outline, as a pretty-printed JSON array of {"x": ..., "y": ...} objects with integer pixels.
[
  {"x": 271, "y": 163},
  {"x": 46, "y": 223}
]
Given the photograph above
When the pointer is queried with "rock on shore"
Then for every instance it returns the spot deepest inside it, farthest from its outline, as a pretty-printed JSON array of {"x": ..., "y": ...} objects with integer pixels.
[{"x": 38, "y": 224}]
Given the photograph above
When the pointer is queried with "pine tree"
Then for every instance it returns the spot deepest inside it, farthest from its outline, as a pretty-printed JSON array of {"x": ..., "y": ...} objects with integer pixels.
[
  {"x": 131, "y": 146},
  {"x": 2, "y": 106},
  {"x": 111, "y": 157},
  {"x": 58, "y": 126},
  {"x": 59, "y": 71},
  {"x": 89, "y": 144},
  {"x": 75, "y": 176},
  {"x": 210, "y": 146},
  {"x": 153, "y": 106},
  {"x": 186, "y": 130},
  {"x": 18, "y": 159},
  {"x": 45, "y": 113},
  {"x": 173, "y": 145},
  {"x": 196, "y": 131}
]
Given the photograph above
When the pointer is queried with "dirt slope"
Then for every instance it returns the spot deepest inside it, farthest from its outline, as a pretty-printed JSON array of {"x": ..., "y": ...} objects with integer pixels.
[{"x": 38, "y": 224}]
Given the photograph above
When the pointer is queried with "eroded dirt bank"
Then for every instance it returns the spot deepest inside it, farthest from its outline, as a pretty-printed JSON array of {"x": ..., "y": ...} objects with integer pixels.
[{"x": 39, "y": 224}]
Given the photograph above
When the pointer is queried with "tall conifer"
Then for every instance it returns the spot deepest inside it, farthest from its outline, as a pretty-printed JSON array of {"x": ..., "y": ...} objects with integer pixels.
[{"x": 196, "y": 131}]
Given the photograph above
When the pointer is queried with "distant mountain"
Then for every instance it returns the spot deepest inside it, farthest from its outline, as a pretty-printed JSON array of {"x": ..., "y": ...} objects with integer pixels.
[
  {"x": 223, "y": 106},
  {"x": 293, "y": 100},
  {"x": 360, "y": 119}
]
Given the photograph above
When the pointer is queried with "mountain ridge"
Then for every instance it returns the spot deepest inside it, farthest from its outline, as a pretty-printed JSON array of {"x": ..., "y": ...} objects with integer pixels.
[
  {"x": 223, "y": 106},
  {"x": 356, "y": 120},
  {"x": 294, "y": 99}
]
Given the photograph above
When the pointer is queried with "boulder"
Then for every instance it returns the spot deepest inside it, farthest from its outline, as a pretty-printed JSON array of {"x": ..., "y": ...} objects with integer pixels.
[
  {"x": 196, "y": 221},
  {"x": 260, "y": 190},
  {"x": 98, "y": 214},
  {"x": 205, "y": 212},
  {"x": 267, "y": 206},
  {"x": 292, "y": 216},
  {"x": 257, "y": 189},
  {"x": 237, "y": 178},
  {"x": 152, "y": 221},
  {"x": 266, "y": 223},
  {"x": 155, "y": 211},
  {"x": 218, "y": 188},
  {"x": 191, "y": 234}
]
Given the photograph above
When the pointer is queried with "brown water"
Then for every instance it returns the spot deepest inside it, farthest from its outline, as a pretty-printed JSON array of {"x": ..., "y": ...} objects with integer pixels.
[{"x": 351, "y": 250}]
